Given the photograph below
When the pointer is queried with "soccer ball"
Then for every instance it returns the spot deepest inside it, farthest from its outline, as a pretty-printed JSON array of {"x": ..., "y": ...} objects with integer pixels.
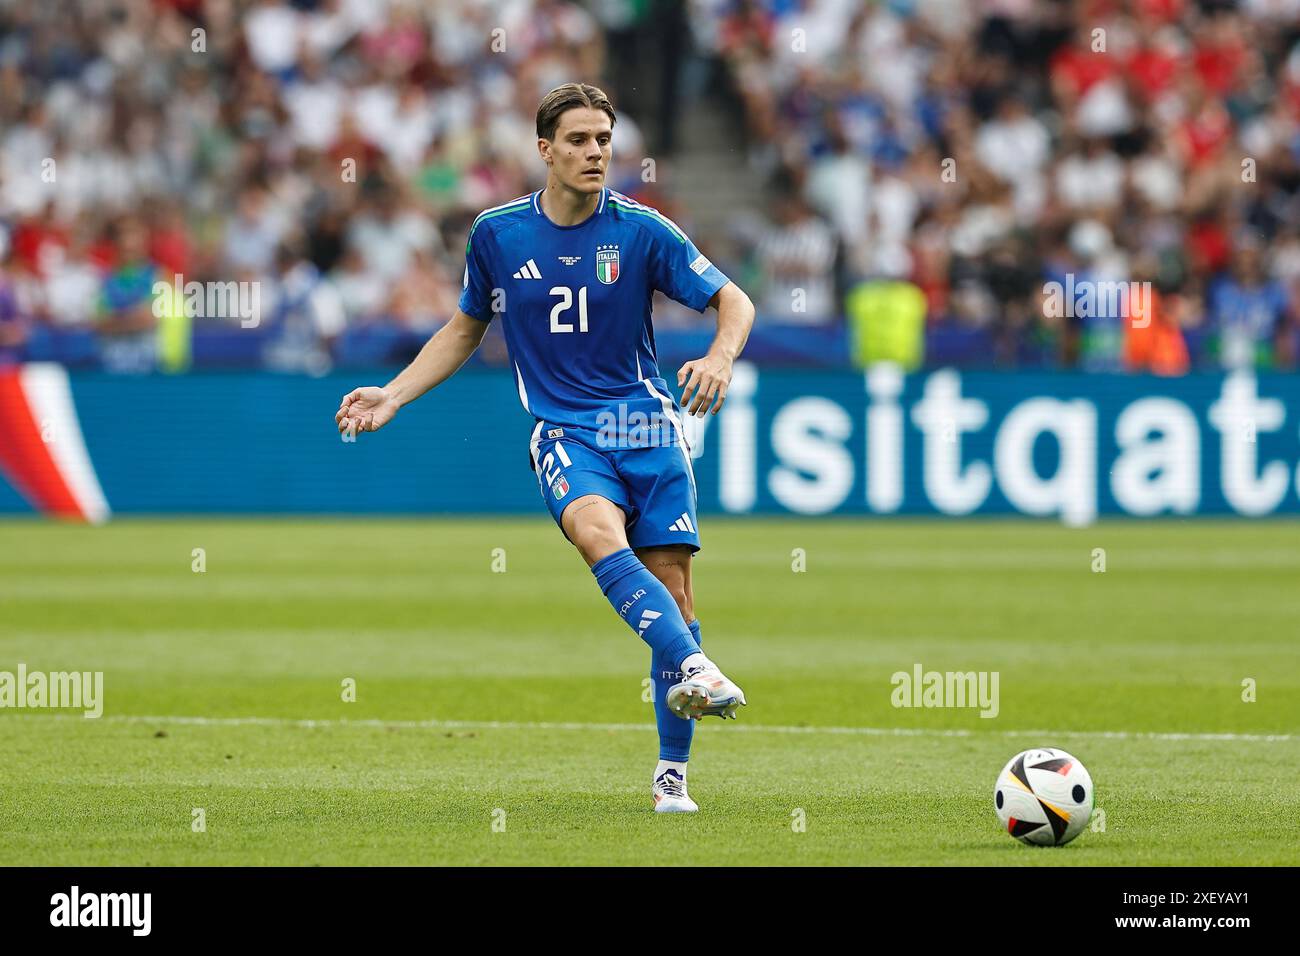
[{"x": 1044, "y": 796}]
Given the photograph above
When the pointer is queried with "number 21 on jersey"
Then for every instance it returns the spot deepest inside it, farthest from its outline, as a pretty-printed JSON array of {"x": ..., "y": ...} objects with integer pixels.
[{"x": 565, "y": 303}]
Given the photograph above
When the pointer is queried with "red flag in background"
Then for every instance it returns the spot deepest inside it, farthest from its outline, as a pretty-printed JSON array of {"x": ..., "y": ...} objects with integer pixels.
[{"x": 42, "y": 452}]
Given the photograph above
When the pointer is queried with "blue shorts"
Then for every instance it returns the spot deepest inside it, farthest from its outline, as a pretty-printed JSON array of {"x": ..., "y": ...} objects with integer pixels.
[{"x": 654, "y": 485}]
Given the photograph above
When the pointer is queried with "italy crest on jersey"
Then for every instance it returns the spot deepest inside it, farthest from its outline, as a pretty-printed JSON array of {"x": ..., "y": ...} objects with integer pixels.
[{"x": 607, "y": 264}]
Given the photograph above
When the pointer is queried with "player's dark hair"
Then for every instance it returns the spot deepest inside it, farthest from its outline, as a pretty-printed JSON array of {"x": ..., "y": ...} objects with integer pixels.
[{"x": 567, "y": 97}]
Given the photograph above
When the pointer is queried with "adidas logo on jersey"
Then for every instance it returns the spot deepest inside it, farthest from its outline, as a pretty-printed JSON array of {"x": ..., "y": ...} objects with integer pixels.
[
  {"x": 528, "y": 271},
  {"x": 682, "y": 524}
]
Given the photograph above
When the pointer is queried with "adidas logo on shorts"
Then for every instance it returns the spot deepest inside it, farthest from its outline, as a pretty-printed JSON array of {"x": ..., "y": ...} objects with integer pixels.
[{"x": 682, "y": 524}]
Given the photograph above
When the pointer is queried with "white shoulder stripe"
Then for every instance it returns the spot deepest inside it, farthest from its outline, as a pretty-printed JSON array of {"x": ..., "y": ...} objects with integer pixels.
[
  {"x": 505, "y": 205},
  {"x": 626, "y": 203}
]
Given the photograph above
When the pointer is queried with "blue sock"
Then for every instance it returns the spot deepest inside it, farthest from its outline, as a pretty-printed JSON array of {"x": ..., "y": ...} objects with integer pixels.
[
  {"x": 674, "y": 733},
  {"x": 645, "y": 604}
]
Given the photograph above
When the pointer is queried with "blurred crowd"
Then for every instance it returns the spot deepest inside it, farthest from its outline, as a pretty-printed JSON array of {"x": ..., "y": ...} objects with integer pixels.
[
  {"x": 335, "y": 151},
  {"x": 952, "y": 155},
  {"x": 978, "y": 150}
]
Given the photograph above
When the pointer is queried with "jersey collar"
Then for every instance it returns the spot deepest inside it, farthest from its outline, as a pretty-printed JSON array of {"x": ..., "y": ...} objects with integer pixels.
[{"x": 600, "y": 208}]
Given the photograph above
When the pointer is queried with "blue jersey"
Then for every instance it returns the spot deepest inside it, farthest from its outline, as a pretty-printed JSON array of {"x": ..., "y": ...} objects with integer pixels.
[{"x": 575, "y": 301}]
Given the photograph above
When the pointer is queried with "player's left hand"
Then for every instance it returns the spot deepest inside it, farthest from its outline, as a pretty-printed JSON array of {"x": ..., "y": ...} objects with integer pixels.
[
  {"x": 706, "y": 380},
  {"x": 366, "y": 409}
]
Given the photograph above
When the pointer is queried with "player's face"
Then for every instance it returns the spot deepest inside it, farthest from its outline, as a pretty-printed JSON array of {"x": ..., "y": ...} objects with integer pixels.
[{"x": 579, "y": 154}]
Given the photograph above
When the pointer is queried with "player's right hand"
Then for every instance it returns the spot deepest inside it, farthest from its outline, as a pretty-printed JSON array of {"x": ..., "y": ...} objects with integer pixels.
[{"x": 366, "y": 409}]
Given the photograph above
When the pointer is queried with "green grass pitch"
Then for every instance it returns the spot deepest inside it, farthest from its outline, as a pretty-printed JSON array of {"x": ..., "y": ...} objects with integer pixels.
[{"x": 515, "y": 698}]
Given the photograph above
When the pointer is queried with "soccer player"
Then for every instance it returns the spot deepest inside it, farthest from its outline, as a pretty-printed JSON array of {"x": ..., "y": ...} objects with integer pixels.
[{"x": 570, "y": 270}]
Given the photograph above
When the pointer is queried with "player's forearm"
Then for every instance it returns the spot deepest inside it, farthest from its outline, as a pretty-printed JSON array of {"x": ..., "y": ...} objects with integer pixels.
[
  {"x": 735, "y": 319},
  {"x": 444, "y": 353}
]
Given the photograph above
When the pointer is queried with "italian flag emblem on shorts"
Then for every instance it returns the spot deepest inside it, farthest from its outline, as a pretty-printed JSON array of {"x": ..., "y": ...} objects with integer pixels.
[
  {"x": 561, "y": 487},
  {"x": 607, "y": 264}
]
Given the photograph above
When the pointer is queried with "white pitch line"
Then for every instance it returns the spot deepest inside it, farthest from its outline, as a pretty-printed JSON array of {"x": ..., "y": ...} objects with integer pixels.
[{"x": 732, "y": 728}]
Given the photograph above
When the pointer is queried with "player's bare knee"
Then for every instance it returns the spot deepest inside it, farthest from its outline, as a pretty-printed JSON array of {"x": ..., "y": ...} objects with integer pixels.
[
  {"x": 595, "y": 527},
  {"x": 676, "y": 587},
  {"x": 683, "y": 603},
  {"x": 673, "y": 577},
  {"x": 596, "y": 543}
]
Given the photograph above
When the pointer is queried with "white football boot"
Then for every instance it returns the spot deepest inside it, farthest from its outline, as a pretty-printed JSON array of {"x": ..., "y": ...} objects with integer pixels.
[
  {"x": 670, "y": 794},
  {"x": 705, "y": 691}
]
